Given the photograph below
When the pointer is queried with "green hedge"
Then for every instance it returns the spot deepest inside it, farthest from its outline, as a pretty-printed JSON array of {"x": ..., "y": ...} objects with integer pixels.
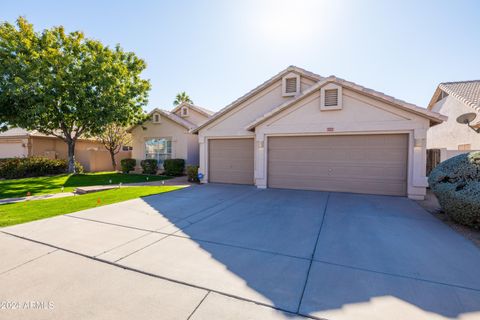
[
  {"x": 192, "y": 173},
  {"x": 149, "y": 166},
  {"x": 174, "y": 167},
  {"x": 16, "y": 168},
  {"x": 456, "y": 184},
  {"x": 128, "y": 164}
]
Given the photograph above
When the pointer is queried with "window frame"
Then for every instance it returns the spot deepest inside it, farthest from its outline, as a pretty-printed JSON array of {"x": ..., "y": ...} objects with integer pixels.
[{"x": 159, "y": 156}]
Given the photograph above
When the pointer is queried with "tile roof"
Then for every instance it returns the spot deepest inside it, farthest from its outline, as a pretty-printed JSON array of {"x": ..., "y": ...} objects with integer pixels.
[
  {"x": 172, "y": 116},
  {"x": 466, "y": 91}
]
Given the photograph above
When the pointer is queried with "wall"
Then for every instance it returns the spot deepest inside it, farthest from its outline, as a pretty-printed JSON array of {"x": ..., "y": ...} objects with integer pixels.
[
  {"x": 54, "y": 148},
  {"x": 450, "y": 134},
  {"x": 101, "y": 160},
  {"x": 233, "y": 123},
  {"x": 166, "y": 128},
  {"x": 446, "y": 154},
  {"x": 193, "y": 150},
  {"x": 91, "y": 154},
  {"x": 360, "y": 115}
]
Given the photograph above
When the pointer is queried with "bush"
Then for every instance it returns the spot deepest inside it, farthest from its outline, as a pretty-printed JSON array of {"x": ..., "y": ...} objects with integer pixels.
[
  {"x": 16, "y": 168},
  {"x": 149, "y": 166},
  {"x": 456, "y": 184},
  {"x": 128, "y": 164},
  {"x": 174, "y": 167},
  {"x": 192, "y": 173}
]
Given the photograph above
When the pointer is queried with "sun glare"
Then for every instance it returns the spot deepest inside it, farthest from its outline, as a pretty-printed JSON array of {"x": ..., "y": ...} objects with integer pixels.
[{"x": 283, "y": 21}]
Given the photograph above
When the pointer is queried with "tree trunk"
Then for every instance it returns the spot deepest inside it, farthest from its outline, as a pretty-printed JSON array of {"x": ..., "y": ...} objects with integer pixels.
[
  {"x": 71, "y": 156},
  {"x": 114, "y": 163}
]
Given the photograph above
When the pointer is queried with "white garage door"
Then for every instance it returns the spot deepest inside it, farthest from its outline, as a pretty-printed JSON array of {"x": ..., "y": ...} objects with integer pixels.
[
  {"x": 230, "y": 161},
  {"x": 374, "y": 164}
]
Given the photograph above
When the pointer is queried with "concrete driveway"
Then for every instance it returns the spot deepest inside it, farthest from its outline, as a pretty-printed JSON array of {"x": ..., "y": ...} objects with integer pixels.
[{"x": 237, "y": 252}]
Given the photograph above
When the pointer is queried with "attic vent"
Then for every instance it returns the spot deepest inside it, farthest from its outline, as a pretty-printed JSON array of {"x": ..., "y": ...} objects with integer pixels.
[
  {"x": 156, "y": 118},
  {"x": 184, "y": 111},
  {"x": 331, "y": 97},
  {"x": 291, "y": 85}
]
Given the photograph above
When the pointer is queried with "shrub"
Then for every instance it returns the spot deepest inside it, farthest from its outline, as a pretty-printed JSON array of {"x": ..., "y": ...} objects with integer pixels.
[
  {"x": 149, "y": 166},
  {"x": 192, "y": 173},
  {"x": 16, "y": 168},
  {"x": 174, "y": 167},
  {"x": 128, "y": 164},
  {"x": 456, "y": 183}
]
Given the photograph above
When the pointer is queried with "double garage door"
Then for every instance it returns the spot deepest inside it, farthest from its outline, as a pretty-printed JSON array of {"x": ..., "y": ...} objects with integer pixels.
[{"x": 375, "y": 164}]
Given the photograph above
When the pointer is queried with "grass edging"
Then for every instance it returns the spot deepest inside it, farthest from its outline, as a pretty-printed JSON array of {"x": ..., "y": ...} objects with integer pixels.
[{"x": 21, "y": 212}]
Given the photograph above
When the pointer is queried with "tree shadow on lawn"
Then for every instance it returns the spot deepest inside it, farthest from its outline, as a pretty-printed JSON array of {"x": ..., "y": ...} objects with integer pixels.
[{"x": 53, "y": 184}]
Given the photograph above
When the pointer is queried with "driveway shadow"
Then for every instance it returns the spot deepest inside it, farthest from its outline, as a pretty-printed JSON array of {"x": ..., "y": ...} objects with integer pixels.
[{"x": 315, "y": 253}]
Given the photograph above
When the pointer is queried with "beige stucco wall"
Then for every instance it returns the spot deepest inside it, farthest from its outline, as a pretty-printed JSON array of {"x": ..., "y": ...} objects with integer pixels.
[
  {"x": 91, "y": 154},
  {"x": 360, "y": 114},
  {"x": 234, "y": 122},
  {"x": 181, "y": 148},
  {"x": 55, "y": 148},
  {"x": 450, "y": 134}
]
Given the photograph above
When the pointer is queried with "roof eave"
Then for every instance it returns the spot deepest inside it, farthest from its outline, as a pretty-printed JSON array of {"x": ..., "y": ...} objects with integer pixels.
[
  {"x": 245, "y": 97},
  {"x": 435, "y": 118}
]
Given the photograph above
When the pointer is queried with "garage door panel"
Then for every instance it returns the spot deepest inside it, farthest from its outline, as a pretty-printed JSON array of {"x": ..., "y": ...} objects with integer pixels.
[
  {"x": 231, "y": 161},
  {"x": 364, "y": 164}
]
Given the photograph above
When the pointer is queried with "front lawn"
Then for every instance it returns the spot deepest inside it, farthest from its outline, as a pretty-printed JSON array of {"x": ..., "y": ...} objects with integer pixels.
[
  {"x": 15, "y": 213},
  {"x": 53, "y": 184}
]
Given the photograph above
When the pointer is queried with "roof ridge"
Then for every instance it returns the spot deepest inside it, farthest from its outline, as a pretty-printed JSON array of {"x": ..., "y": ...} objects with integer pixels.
[
  {"x": 379, "y": 95},
  {"x": 456, "y": 82},
  {"x": 255, "y": 90}
]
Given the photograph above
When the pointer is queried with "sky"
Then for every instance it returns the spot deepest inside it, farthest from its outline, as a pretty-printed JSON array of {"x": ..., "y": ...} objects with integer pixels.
[{"x": 218, "y": 50}]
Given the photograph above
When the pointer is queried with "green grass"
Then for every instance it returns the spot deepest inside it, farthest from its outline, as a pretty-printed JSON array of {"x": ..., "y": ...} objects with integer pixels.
[
  {"x": 53, "y": 184},
  {"x": 15, "y": 213}
]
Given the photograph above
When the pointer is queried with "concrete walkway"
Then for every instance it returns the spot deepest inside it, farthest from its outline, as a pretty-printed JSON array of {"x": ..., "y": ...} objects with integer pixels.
[
  {"x": 39, "y": 197},
  {"x": 237, "y": 252}
]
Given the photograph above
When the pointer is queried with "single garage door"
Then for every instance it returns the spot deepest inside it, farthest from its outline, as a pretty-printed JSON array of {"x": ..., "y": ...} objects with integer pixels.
[
  {"x": 12, "y": 149},
  {"x": 375, "y": 164},
  {"x": 230, "y": 161}
]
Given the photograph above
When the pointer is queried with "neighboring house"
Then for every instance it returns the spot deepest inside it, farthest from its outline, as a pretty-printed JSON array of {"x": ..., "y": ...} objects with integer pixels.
[
  {"x": 18, "y": 142},
  {"x": 165, "y": 135},
  {"x": 453, "y": 99},
  {"x": 299, "y": 130}
]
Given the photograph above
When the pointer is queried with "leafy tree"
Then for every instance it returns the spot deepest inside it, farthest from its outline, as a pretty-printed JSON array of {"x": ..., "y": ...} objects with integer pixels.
[
  {"x": 66, "y": 85},
  {"x": 113, "y": 138},
  {"x": 182, "y": 97}
]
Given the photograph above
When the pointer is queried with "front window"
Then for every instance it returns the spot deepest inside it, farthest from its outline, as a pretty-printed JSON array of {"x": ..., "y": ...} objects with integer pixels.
[{"x": 160, "y": 149}]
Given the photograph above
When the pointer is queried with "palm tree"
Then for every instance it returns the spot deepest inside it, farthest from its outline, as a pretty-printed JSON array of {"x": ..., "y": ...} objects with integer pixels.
[{"x": 182, "y": 97}]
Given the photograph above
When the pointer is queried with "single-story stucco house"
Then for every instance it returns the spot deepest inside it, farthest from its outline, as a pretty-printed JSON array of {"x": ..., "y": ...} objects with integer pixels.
[
  {"x": 18, "y": 142},
  {"x": 165, "y": 135},
  {"x": 299, "y": 130},
  {"x": 454, "y": 99}
]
